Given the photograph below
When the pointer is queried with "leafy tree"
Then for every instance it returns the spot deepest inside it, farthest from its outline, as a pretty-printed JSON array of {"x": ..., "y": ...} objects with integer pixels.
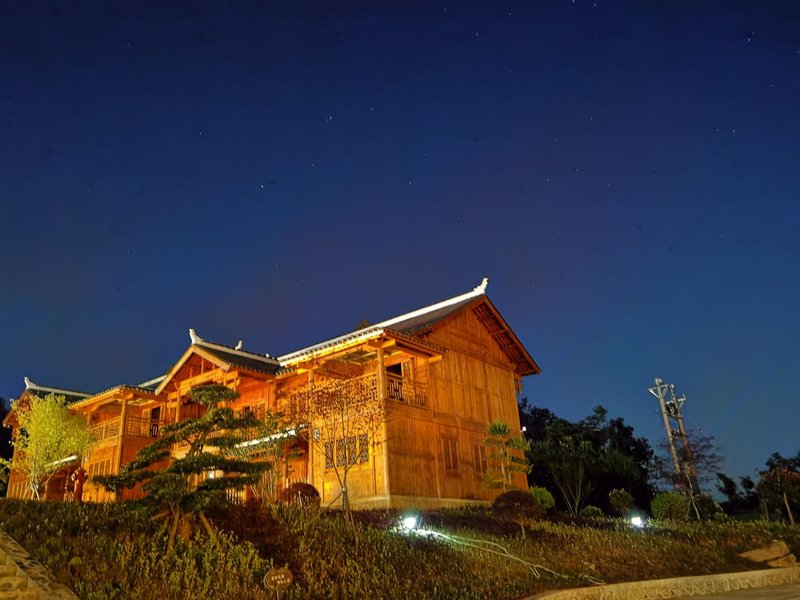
[
  {"x": 507, "y": 456},
  {"x": 671, "y": 506},
  {"x": 47, "y": 434},
  {"x": 6, "y": 450},
  {"x": 592, "y": 512},
  {"x": 619, "y": 459},
  {"x": 620, "y": 502},
  {"x": 706, "y": 458},
  {"x": 705, "y": 507},
  {"x": 569, "y": 462},
  {"x": 780, "y": 486},
  {"x": 543, "y": 497},
  {"x": 342, "y": 419},
  {"x": 750, "y": 497},
  {"x": 728, "y": 488},
  {"x": 271, "y": 438},
  {"x": 776, "y": 459},
  {"x": 212, "y": 463}
]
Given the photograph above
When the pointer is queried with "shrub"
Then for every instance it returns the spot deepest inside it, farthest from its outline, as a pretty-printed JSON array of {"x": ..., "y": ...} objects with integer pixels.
[
  {"x": 671, "y": 506},
  {"x": 543, "y": 497},
  {"x": 707, "y": 507},
  {"x": 516, "y": 503},
  {"x": 620, "y": 502},
  {"x": 300, "y": 494},
  {"x": 592, "y": 512}
]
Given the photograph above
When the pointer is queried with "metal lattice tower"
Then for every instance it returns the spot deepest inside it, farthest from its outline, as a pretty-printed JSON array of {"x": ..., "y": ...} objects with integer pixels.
[{"x": 671, "y": 404}]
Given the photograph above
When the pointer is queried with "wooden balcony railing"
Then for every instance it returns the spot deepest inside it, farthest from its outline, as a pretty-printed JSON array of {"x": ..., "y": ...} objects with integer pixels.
[
  {"x": 134, "y": 427},
  {"x": 139, "y": 427},
  {"x": 365, "y": 388},
  {"x": 106, "y": 429},
  {"x": 406, "y": 390}
]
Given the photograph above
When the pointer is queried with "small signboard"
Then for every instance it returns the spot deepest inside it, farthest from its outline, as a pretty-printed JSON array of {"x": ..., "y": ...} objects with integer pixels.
[{"x": 278, "y": 580}]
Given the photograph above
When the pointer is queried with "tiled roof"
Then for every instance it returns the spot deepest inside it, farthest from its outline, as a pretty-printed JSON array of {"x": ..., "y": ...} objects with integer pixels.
[
  {"x": 135, "y": 388},
  {"x": 408, "y": 323},
  {"x": 421, "y": 322},
  {"x": 40, "y": 390},
  {"x": 151, "y": 384},
  {"x": 416, "y": 324},
  {"x": 240, "y": 358}
]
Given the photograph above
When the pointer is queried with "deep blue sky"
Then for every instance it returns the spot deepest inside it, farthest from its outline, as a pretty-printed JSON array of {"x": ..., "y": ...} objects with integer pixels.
[{"x": 626, "y": 173}]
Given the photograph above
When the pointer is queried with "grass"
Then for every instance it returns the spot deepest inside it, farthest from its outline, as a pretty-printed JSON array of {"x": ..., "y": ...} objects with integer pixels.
[{"x": 117, "y": 551}]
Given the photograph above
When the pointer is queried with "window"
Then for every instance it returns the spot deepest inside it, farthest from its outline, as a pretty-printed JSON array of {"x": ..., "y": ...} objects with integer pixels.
[
  {"x": 351, "y": 450},
  {"x": 341, "y": 450},
  {"x": 363, "y": 448},
  {"x": 479, "y": 457},
  {"x": 450, "y": 454},
  {"x": 100, "y": 467}
]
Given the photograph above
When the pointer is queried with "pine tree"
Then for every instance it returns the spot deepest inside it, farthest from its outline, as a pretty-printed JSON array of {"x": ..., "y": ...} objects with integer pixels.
[
  {"x": 210, "y": 466},
  {"x": 508, "y": 455}
]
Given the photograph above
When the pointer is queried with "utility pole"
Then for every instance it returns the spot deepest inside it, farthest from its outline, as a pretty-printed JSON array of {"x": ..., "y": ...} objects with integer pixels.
[{"x": 671, "y": 404}]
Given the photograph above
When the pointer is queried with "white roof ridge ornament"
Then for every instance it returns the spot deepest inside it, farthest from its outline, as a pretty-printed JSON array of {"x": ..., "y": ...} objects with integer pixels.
[
  {"x": 196, "y": 339},
  {"x": 481, "y": 289},
  {"x": 238, "y": 345},
  {"x": 28, "y": 383}
]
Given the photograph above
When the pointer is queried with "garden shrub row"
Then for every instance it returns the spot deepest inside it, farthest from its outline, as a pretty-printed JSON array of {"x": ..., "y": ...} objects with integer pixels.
[{"x": 118, "y": 551}]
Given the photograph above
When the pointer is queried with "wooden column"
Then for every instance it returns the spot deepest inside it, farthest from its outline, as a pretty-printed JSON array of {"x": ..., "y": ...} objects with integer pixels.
[
  {"x": 384, "y": 427},
  {"x": 178, "y": 405},
  {"x": 310, "y": 433},
  {"x": 122, "y": 416}
]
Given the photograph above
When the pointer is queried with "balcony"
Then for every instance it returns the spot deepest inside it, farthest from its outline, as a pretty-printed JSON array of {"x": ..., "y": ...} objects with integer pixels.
[
  {"x": 145, "y": 428},
  {"x": 365, "y": 387},
  {"x": 134, "y": 427},
  {"x": 406, "y": 390}
]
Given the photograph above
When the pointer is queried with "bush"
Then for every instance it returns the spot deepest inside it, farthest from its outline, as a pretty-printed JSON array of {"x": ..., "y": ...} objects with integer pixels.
[
  {"x": 516, "y": 503},
  {"x": 543, "y": 497},
  {"x": 117, "y": 551},
  {"x": 592, "y": 512},
  {"x": 620, "y": 502},
  {"x": 707, "y": 507},
  {"x": 300, "y": 494},
  {"x": 671, "y": 506}
]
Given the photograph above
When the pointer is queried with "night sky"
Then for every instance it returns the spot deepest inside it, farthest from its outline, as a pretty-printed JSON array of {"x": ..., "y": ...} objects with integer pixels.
[{"x": 625, "y": 173}]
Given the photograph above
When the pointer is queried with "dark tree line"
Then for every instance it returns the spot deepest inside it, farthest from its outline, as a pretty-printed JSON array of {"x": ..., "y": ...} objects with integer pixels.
[
  {"x": 6, "y": 451},
  {"x": 776, "y": 494},
  {"x": 581, "y": 462}
]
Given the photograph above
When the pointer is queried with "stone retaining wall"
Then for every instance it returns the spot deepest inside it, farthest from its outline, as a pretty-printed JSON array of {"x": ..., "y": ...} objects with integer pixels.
[{"x": 22, "y": 578}]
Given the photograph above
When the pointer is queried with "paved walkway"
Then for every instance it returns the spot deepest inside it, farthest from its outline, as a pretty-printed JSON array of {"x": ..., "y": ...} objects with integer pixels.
[
  {"x": 779, "y": 592},
  {"x": 769, "y": 584}
]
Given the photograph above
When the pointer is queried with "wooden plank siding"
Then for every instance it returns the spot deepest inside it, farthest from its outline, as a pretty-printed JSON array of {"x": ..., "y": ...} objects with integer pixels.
[{"x": 471, "y": 386}]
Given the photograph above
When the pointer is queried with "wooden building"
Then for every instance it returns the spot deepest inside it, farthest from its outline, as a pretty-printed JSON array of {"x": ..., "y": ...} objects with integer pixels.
[
  {"x": 441, "y": 373},
  {"x": 17, "y": 486}
]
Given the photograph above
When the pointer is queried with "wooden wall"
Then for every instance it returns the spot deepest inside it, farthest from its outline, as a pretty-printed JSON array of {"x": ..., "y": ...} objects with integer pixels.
[{"x": 472, "y": 385}]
